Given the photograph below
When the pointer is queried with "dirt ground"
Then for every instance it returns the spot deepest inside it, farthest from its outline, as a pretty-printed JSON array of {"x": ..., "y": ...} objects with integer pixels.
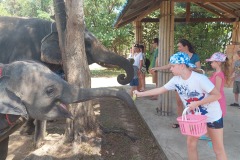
[{"x": 123, "y": 136}]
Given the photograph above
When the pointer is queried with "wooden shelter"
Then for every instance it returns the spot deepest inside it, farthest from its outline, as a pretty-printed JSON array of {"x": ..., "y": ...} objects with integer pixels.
[{"x": 136, "y": 11}]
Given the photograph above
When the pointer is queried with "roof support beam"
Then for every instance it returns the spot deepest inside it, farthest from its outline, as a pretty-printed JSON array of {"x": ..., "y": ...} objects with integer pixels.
[
  {"x": 126, "y": 22},
  {"x": 140, "y": 4},
  {"x": 135, "y": 13},
  {"x": 188, "y": 11},
  {"x": 142, "y": 7},
  {"x": 203, "y": 1},
  {"x": 136, "y": 10},
  {"x": 224, "y": 9},
  {"x": 210, "y": 10},
  {"x": 151, "y": 8},
  {"x": 194, "y": 20}
]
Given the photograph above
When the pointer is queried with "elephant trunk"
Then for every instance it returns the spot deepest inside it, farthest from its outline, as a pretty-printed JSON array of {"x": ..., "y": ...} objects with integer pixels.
[
  {"x": 104, "y": 57},
  {"x": 75, "y": 95}
]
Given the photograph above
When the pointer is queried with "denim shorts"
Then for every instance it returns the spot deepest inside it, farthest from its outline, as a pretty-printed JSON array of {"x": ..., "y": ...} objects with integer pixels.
[
  {"x": 216, "y": 124},
  {"x": 134, "y": 82}
]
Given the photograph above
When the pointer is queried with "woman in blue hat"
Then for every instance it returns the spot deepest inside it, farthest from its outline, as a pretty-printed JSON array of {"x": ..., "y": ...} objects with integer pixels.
[{"x": 195, "y": 90}]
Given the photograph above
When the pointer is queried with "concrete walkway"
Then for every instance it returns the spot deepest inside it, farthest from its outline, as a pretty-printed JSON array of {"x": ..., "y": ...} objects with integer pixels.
[{"x": 171, "y": 140}]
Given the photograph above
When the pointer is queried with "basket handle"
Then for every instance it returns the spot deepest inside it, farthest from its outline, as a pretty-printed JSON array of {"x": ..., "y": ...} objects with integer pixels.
[
  {"x": 185, "y": 113},
  {"x": 184, "y": 117}
]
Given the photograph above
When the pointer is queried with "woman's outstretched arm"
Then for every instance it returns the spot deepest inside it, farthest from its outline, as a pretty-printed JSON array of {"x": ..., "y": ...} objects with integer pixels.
[{"x": 165, "y": 67}]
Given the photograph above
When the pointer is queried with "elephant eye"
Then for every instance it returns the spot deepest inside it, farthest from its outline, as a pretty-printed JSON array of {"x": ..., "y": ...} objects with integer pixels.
[{"x": 50, "y": 91}]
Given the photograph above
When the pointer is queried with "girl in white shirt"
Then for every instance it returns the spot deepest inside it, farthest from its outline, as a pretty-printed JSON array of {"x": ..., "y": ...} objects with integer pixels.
[{"x": 195, "y": 90}]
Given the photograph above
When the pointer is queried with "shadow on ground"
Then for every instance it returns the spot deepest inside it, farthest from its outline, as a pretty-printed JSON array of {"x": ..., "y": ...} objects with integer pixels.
[{"x": 122, "y": 135}]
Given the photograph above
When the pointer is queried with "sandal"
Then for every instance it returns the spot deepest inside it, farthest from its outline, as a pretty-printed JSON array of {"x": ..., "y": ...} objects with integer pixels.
[
  {"x": 175, "y": 125},
  {"x": 234, "y": 104}
]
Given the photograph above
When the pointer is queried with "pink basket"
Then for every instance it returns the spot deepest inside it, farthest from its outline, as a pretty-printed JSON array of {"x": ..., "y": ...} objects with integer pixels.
[{"x": 192, "y": 125}]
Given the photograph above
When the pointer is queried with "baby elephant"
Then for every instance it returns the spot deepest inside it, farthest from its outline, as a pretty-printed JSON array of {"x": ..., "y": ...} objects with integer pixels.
[{"x": 30, "y": 89}]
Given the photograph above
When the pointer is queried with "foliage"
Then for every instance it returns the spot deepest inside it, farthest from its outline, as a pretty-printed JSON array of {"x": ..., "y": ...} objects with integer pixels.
[
  {"x": 150, "y": 31},
  {"x": 27, "y": 8},
  {"x": 100, "y": 16},
  {"x": 206, "y": 38},
  {"x": 112, "y": 72},
  {"x": 106, "y": 73},
  {"x": 3, "y": 10}
]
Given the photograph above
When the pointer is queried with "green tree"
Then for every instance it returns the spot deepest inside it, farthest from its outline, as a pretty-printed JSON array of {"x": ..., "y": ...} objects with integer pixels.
[
  {"x": 27, "y": 8},
  {"x": 150, "y": 31},
  {"x": 3, "y": 10},
  {"x": 100, "y": 16},
  {"x": 206, "y": 38}
]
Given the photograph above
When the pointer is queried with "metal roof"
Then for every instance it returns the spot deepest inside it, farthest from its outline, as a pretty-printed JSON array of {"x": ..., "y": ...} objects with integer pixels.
[{"x": 134, "y": 10}]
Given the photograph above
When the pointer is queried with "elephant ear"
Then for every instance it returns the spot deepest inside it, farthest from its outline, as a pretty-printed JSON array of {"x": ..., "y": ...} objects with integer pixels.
[
  {"x": 10, "y": 103},
  {"x": 50, "y": 50}
]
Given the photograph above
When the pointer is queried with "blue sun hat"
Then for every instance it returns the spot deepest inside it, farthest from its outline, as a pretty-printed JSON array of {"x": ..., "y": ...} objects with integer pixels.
[{"x": 181, "y": 58}]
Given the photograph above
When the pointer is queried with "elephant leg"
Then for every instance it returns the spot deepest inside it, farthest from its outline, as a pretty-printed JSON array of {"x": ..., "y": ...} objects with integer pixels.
[
  {"x": 39, "y": 135},
  {"x": 4, "y": 148},
  {"x": 28, "y": 127}
]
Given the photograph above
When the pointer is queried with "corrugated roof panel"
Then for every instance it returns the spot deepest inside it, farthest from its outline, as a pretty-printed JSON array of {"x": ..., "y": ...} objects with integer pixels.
[
  {"x": 228, "y": 9},
  {"x": 231, "y": 5},
  {"x": 137, "y": 9}
]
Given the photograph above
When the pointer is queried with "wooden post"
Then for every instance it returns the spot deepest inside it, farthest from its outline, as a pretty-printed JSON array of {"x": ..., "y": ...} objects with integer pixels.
[
  {"x": 188, "y": 11},
  {"x": 138, "y": 32},
  {"x": 165, "y": 50},
  {"x": 232, "y": 49},
  {"x": 236, "y": 33}
]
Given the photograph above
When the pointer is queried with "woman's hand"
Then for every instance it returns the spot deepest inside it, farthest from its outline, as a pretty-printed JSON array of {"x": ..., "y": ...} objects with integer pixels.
[
  {"x": 152, "y": 70},
  {"x": 193, "y": 105}
]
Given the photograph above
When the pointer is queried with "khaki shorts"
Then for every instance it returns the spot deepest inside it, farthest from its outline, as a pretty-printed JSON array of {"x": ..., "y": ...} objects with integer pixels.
[{"x": 236, "y": 87}]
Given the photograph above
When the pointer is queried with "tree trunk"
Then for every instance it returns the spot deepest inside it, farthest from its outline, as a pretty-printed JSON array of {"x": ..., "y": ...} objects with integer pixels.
[{"x": 75, "y": 67}]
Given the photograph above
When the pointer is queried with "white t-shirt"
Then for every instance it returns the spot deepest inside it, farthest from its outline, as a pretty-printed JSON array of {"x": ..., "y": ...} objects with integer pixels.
[
  {"x": 195, "y": 88},
  {"x": 137, "y": 58}
]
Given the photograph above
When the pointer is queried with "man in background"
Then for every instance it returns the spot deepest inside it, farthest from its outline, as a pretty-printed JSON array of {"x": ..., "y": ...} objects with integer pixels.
[
  {"x": 154, "y": 63},
  {"x": 143, "y": 70},
  {"x": 236, "y": 79}
]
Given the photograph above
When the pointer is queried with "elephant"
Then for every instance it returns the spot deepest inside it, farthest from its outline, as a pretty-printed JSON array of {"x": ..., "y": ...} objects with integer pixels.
[
  {"x": 46, "y": 99},
  {"x": 37, "y": 39}
]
